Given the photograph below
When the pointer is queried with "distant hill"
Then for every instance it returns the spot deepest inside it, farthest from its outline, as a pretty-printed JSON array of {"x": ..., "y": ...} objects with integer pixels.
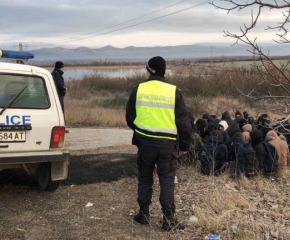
[{"x": 83, "y": 54}]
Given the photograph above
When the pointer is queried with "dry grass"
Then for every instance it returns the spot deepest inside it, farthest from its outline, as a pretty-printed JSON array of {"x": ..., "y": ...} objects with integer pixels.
[
  {"x": 79, "y": 114},
  {"x": 93, "y": 98},
  {"x": 243, "y": 209}
]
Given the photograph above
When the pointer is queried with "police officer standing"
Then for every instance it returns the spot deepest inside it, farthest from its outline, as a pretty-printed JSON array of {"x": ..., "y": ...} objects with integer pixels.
[
  {"x": 157, "y": 113},
  {"x": 59, "y": 82}
]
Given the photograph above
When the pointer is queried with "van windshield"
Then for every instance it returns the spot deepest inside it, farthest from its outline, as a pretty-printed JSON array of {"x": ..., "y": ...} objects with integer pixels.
[{"x": 34, "y": 96}]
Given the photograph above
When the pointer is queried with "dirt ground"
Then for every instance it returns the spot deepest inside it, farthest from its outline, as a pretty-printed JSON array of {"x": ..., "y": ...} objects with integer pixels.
[
  {"x": 105, "y": 176},
  {"x": 92, "y": 138}
]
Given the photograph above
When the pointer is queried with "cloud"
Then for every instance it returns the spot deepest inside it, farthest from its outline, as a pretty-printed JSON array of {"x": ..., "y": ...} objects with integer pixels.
[{"x": 53, "y": 20}]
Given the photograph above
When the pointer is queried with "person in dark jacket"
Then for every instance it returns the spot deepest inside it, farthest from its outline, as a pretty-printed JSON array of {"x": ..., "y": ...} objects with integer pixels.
[
  {"x": 201, "y": 126},
  {"x": 207, "y": 117},
  {"x": 196, "y": 142},
  {"x": 263, "y": 124},
  {"x": 212, "y": 122},
  {"x": 57, "y": 75},
  {"x": 257, "y": 143},
  {"x": 251, "y": 121},
  {"x": 213, "y": 155},
  {"x": 236, "y": 152},
  {"x": 238, "y": 115},
  {"x": 238, "y": 138},
  {"x": 246, "y": 115},
  {"x": 157, "y": 113},
  {"x": 233, "y": 129},
  {"x": 227, "y": 117},
  {"x": 242, "y": 122}
]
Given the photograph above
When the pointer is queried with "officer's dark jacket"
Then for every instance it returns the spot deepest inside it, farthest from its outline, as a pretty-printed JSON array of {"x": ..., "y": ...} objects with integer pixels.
[
  {"x": 181, "y": 115},
  {"x": 59, "y": 81}
]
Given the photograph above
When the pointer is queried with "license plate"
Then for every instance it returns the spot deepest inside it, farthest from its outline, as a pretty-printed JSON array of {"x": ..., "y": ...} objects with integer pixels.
[{"x": 12, "y": 137}]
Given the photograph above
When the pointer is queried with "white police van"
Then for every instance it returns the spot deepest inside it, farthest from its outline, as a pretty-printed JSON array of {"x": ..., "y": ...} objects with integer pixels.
[{"x": 32, "y": 126}]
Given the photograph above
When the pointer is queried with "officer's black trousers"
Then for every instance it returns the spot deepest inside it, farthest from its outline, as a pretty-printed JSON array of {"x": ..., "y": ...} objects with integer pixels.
[{"x": 162, "y": 152}]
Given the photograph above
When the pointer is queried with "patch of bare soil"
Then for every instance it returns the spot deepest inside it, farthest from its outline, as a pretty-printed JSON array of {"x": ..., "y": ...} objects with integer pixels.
[{"x": 245, "y": 209}]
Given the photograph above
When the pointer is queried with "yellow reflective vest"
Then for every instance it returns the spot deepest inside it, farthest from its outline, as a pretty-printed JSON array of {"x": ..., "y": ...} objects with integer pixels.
[{"x": 155, "y": 110}]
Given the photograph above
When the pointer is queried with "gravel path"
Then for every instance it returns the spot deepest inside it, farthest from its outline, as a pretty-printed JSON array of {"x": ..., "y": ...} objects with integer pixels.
[{"x": 91, "y": 138}]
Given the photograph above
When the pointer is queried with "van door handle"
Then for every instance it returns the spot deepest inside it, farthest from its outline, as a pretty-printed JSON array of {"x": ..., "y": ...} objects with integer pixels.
[{"x": 4, "y": 146}]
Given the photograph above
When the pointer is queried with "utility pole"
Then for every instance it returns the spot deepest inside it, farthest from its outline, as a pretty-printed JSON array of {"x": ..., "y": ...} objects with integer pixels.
[
  {"x": 211, "y": 53},
  {"x": 20, "y": 47}
]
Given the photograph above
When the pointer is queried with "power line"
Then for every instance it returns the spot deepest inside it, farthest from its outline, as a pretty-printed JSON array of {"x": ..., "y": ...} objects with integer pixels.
[
  {"x": 137, "y": 24},
  {"x": 118, "y": 24},
  {"x": 131, "y": 20}
]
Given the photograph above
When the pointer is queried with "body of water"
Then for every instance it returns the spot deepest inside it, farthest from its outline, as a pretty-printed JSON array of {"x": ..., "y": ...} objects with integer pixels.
[{"x": 79, "y": 73}]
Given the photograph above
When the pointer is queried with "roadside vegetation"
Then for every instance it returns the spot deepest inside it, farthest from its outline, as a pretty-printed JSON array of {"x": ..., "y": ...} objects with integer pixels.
[{"x": 98, "y": 101}]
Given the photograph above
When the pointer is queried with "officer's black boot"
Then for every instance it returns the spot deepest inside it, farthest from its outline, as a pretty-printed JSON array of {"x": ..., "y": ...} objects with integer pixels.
[
  {"x": 170, "y": 223},
  {"x": 143, "y": 216}
]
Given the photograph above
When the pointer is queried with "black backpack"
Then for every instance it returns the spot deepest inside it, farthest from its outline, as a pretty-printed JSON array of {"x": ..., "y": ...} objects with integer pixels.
[
  {"x": 208, "y": 157},
  {"x": 271, "y": 164},
  {"x": 247, "y": 160}
]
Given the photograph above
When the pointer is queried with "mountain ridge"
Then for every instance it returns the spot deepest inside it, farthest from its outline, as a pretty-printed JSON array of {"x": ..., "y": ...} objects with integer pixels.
[{"x": 132, "y": 53}]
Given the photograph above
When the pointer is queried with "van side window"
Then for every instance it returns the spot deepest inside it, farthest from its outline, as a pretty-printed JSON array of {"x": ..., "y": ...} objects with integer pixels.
[{"x": 34, "y": 96}]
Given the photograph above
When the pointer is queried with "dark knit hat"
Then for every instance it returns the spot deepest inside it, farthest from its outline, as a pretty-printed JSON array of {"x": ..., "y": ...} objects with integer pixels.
[
  {"x": 58, "y": 65},
  {"x": 262, "y": 119},
  {"x": 251, "y": 120},
  {"x": 226, "y": 116},
  {"x": 206, "y": 116},
  {"x": 157, "y": 66},
  {"x": 233, "y": 129},
  {"x": 246, "y": 114},
  {"x": 201, "y": 124},
  {"x": 242, "y": 122}
]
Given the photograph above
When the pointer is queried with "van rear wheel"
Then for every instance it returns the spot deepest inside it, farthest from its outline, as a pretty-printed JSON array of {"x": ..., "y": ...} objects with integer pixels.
[{"x": 44, "y": 178}]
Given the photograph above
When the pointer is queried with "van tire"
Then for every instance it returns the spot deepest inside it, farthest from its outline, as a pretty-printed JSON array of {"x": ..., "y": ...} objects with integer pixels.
[{"x": 44, "y": 178}]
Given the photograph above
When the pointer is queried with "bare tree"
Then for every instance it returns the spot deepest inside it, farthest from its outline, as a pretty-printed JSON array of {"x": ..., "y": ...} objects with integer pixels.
[{"x": 277, "y": 78}]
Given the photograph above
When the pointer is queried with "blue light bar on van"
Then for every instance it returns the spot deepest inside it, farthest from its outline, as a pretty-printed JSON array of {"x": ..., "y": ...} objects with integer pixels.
[{"x": 15, "y": 55}]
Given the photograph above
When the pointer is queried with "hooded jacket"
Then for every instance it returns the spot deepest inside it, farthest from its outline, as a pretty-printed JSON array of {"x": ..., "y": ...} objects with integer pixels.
[
  {"x": 212, "y": 123},
  {"x": 239, "y": 112},
  {"x": 224, "y": 124},
  {"x": 227, "y": 117},
  {"x": 226, "y": 137},
  {"x": 233, "y": 129},
  {"x": 237, "y": 139},
  {"x": 246, "y": 132},
  {"x": 220, "y": 150},
  {"x": 257, "y": 143},
  {"x": 281, "y": 147}
]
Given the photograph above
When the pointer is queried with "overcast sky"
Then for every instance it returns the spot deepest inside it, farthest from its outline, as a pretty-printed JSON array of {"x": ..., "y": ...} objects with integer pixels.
[{"x": 37, "y": 22}]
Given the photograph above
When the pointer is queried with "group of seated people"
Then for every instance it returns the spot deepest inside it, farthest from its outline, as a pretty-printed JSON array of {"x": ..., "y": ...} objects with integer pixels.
[{"x": 242, "y": 145}]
